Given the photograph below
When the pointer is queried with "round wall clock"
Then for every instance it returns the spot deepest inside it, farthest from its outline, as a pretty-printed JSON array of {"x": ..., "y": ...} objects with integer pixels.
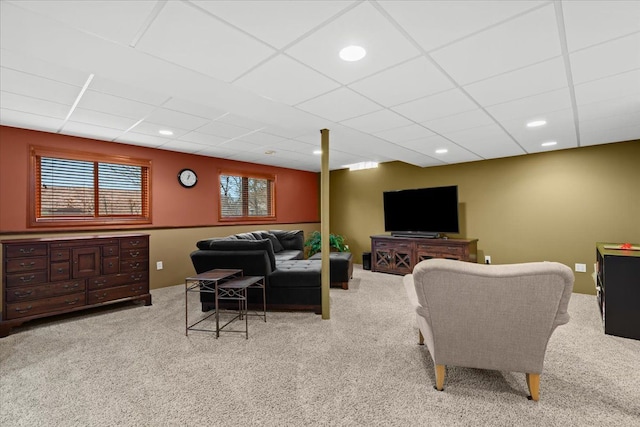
[{"x": 187, "y": 178}]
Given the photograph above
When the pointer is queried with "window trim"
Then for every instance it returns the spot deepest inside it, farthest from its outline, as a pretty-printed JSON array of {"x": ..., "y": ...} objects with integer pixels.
[
  {"x": 35, "y": 221},
  {"x": 272, "y": 178}
]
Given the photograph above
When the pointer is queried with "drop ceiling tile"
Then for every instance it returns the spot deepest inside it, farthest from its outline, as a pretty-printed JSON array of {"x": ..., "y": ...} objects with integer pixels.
[
  {"x": 532, "y": 108},
  {"x": 436, "y": 23},
  {"x": 402, "y": 83},
  {"x": 286, "y": 80},
  {"x": 560, "y": 127},
  {"x": 614, "y": 57},
  {"x": 377, "y": 121},
  {"x": 97, "y": 118},
  {"x": 436, "y": 106},
  {"x": 142, "y": 139},
  {"x": 610, "y": 107},
  {"x": 182, "y": 146},
  {"x": 610, "y": 129},
  {"x": 223, "y": 130},
  {"x": 153, "y": 129},
  {"x": 620, "y": 85},
  {"x": 18, "y": 61},
  {"x": 114, "y": 20},
  {"x": 276, "y": 22},
  {"x": 87, "y": 130},
  {"x": 29, "y": 121},
  {"x": 123, "y": 90},
  {"x": 187, "y": 36},
  {"x": 31, "y": 105},
  {"x": 339, "y": 105},
  {"x": 539, "y": 78},
  {"x": 115, "y": 105},
  {"x": 237, "y": 144},
  {"x": 428, "y": 147},
  {"x": 37, "y": 87},
  {"x": 194, "y": 108},
  {"x": 171, "y": 118},
  {"x": 611, "y": 19},
  {"x": 488, "y": 142},
  {"x": 522, "y": 41},
  {"x": 216, "y": 151},
  {"x": 363, "y": 26},
  {"x": 295, "y": 146},
  {"x": 241, "y": 121},
  {"x": 404, "y": 133},
  {"x": 203, "y": 138},
  {"x": 461, "y": 121}
]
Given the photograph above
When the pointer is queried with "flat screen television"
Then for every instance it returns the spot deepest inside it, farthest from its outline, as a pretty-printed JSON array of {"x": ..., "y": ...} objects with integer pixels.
[{"x": 424, "y": 212}]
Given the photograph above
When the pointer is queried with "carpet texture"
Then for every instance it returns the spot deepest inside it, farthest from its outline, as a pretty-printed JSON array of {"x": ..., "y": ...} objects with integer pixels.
[{"x": 130, "y": 365}]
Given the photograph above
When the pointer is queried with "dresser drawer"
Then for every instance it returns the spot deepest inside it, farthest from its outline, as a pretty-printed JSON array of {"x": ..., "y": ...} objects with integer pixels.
[
  {"x": 28, "y": 249},
  {"x": 24, "y": 293},
  {"x": 110, "y": 250},
  {"x": 110, "y": 265},
  {"x": 137, "y": 253},
  {"x": 59, "y": 254},
  {"x": 26, "y": 264},
  {"x": 95, "y": 297},
  {"x": 26, "y": 279},
  {"x": 107, "y": 281},
  {"x": 134, "y": 242},
  {"x": 134, "y": 265},
  {"x": 59, "y": 271},
  {"x": 32, "y": 308}
]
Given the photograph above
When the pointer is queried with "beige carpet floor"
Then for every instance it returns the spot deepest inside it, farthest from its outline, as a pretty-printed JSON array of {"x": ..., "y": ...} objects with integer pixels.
[{"x": 131, "y": 365}]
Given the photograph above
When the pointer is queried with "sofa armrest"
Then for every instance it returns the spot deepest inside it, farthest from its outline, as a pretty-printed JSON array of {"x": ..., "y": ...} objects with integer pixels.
[
  {"x": 251, "y": 262},
  {"x": 239, "y": 246}
]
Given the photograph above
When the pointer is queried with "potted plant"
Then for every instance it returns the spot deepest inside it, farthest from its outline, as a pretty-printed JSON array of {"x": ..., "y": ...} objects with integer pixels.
[{"x": 336, "y": 243}]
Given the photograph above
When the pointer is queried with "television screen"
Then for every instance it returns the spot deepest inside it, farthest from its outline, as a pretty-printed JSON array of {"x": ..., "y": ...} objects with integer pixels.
[{"x": 428, "y": 211}]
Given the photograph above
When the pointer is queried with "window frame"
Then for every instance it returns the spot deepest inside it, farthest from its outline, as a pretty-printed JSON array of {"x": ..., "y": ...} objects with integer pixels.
[
  {"x": 271, "y": 179},
  {"x": 35, "y": 220}
]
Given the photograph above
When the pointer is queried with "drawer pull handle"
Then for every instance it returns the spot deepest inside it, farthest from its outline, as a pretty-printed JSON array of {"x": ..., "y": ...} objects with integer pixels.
[
  {"x": 23, "y": 310},
  {"x": 98, "y": 297},
  {"x": 19, "y": 294},
  {"x": 27, "y": 279},
  {"x": 134, "y": 254},
  {"x": 59, "y": 254},
  {"x": 134, "y": 242},
  {"x": 60, "y": 270},
  {"x": 110, "y": 265},
  {"x": 71, "y": 302},
  {"x": 75, "y": 285},
  {"x": 27, "y": 251},
  {"x": 31, "y": 264}
]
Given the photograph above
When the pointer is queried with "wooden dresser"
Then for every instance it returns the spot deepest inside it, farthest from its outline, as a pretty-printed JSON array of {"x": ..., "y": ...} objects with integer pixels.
[
  {"x": 49, "y": 276},
  {"x": 398, "y": 255}
]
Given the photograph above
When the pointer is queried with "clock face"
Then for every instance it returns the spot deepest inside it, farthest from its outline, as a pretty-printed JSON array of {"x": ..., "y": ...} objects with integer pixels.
[{"x": 187, "y": 178}]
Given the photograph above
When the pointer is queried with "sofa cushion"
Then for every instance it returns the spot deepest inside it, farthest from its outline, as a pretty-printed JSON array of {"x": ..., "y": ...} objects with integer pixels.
[
  {"x": 296, "y": 274},
  {"x": 277, "y": 246},
  {"x": 293, "y": 239},
  {"x": 224, "y": 244},
  {"x": 288, "y": 255}
]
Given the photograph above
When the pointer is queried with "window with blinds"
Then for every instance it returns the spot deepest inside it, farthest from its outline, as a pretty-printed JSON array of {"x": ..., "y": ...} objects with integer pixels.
[
  {"x": 72, "y": 188},
  {"x": 246, "y": 197}
]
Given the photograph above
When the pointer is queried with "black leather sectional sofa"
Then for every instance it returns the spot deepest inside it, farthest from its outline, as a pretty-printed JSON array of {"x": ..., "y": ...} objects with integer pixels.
[{"x": 292, "y": 283}]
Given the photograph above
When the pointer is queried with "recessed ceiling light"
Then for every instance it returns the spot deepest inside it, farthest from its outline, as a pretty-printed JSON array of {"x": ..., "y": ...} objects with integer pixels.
[
  {"x": 548, "y": 144},
  {"x": 362, "y": 165},
  {"x": 269, "y": 152},
  {"x": 317, "y": 152},
  {"x": 536, "y": 123},
  {"x": 165, "y": 132},
  {"x": 353, "y": 53},
  {"x": 441, "y": 151}
]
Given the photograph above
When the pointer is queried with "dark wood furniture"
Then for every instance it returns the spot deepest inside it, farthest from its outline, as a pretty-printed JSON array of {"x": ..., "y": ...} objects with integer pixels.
[
  {"x": 49, "y": 276},
  {"x": 618, "y": 290},
  {"x": 398, "y": 255}
]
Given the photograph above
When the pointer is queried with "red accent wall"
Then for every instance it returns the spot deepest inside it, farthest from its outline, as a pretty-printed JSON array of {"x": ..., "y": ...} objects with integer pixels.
[{"x": 172, "y": 205}]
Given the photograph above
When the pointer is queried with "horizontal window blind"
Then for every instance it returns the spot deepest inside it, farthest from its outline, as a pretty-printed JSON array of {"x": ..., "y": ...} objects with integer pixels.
[{"x": 246, "y": 197}]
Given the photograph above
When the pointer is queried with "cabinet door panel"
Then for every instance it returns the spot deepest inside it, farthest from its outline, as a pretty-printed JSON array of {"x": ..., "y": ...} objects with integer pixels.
[{"x": 86, "y": 262}]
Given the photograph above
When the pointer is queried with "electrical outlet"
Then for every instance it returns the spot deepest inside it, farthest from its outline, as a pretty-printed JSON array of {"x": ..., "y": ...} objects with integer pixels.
[
  {"x": 159, "y": 265},
  {"x": 581, "y": 268},
  {"x": 487, "y": 259}
]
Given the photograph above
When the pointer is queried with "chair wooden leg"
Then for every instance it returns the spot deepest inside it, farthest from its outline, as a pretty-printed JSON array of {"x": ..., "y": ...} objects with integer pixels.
[
  {"x": 420, "y": 337},
  {"x": 440, "y": 373},
  {"x": 533, "y": 382}
]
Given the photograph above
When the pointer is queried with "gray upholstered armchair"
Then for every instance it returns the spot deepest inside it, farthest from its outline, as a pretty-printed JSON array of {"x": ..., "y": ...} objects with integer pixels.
[{"x": 489, "y": 316}]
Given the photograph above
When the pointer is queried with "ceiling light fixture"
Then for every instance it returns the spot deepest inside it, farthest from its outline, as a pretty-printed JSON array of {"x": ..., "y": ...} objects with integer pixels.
[
  {"x": 269, "y": 152},
  {"x": 549, "y": 144},
  {"x": 352, "y": 53},
  {"x": 536, "y": 123},
  {"x": 441, "y": 151},
  {"x": 165, "y": 132},
  {"x": 317, "y": 152}
]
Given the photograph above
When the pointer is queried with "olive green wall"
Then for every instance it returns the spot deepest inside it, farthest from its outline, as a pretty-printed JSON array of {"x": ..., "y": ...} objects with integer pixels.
[{"x": 550, "y": 206}]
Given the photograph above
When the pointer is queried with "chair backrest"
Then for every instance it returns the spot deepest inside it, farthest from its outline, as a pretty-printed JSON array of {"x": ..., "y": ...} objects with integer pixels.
[{"x": 493, "y": 316}]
